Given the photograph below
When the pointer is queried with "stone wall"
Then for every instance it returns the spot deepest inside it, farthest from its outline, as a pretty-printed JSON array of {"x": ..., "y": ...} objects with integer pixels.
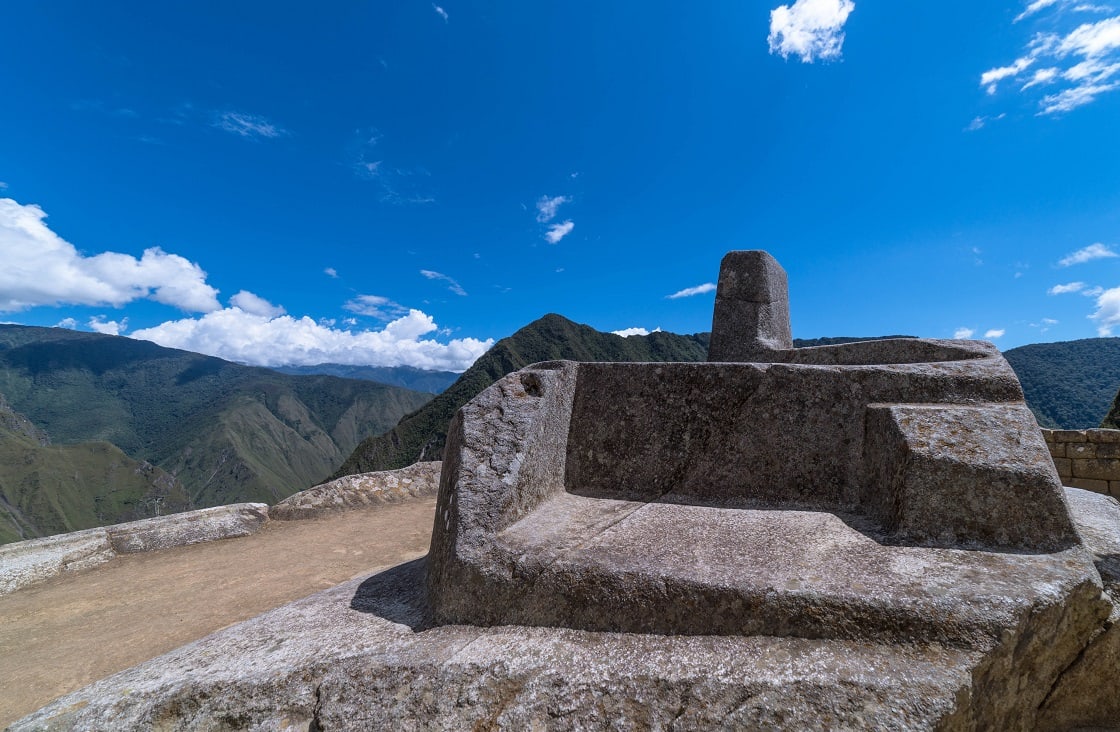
[{"x": 1088, "y": 459}]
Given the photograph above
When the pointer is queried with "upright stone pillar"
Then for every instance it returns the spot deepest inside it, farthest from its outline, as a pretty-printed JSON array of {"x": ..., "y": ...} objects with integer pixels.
[{"x": 751, "y": 316}]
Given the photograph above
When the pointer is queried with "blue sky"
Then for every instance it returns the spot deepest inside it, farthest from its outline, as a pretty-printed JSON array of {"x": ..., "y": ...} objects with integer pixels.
[{"x": 402, "y": 182}]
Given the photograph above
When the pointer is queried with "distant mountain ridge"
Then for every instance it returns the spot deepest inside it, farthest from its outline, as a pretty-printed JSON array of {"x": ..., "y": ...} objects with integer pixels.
[
  {"x": 1069, "y": 384},
  {"x": 409, "y": 377},
  {"x": 227, "y": 432}
]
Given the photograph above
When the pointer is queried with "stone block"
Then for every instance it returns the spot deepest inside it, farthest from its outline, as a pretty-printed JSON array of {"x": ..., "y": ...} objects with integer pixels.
[
  {"x": 361, "y": 490},
  {"x": 29, "y": 562},
  {"x": 1064, "y": 467},
  {"x": 1099, "y": 469},
  {"x": 751, "y": 315},
  {"x": 190, "y": 527},
  {"x": 1057, "y": 449},
  {"x": 1103, "y": 436},
  {"x": 1080, "y": 450},
  {"x": 1089, "y": 484},
  {"x": 1069, "y": 435},
  {"x": 1114, "y": 488},
  {"x": 1108, "y": 449}
]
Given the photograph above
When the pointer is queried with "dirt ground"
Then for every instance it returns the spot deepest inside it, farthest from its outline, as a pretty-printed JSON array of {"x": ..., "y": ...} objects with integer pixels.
[{"x": 58, "y": 636}]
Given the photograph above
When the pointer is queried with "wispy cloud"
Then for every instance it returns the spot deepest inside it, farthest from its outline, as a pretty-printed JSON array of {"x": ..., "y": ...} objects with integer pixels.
[
  {"x": 3, "y": 185},
  {"x": 1088, "y": 254},
  {"x": 41, "y": 268},
  {"x": 440, "y": 12},
  {"x": 375, "y": 306},
  {"x": 548, "y": 206},
  {"x": 451, "y": 284},
  {"x": 398, "y": 185},
  {"x": 556, "y": 232},
  {"x": 964, "y": 333},
  {"x": 690, "y": 291},
  {"x": 331, "y": 272},
  {"x": 1078, "y": 64},
  {"x": 1066, "y": 288},
  {"x": 809, "y": 29},
  {"x": 978, "y": 123},
  {"x": 994, "y": 333},
  {"x": 247, "y": 125}
]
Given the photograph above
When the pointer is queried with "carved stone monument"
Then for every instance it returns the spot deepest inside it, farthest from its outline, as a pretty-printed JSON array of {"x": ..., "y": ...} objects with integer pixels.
[{"x": 862, "y": 536}]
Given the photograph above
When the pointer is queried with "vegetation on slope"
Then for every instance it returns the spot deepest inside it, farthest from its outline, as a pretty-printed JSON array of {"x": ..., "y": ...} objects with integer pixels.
[
  {"x": 228, "y": 432},
  {"x": 48, "y": 489},
  {"x": 1069, "y": 385},
  {"x": 410, "y": 377}
]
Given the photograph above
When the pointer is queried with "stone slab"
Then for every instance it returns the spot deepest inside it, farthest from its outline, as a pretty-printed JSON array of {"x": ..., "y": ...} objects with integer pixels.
[
  {"x": 189, "y": 527},
  {"x": 359, "y": 656},
  {"x": 360, "y": 491},
  {"x": 751, "y": 315},
  {"x": 25, "y": 563}
]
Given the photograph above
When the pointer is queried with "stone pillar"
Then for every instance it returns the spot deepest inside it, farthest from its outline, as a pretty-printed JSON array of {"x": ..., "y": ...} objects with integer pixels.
[{"x": 751, "y": 317}]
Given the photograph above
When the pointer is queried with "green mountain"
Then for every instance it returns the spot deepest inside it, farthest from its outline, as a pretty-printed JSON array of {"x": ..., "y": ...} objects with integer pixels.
[
  {"x": 227, "y": 432},
  {"x": 420, "y": 435},
  {"x": 48, "y": 489},
  {"x": 1069, "y": 385},
  {"x": 410, "y": 377}
]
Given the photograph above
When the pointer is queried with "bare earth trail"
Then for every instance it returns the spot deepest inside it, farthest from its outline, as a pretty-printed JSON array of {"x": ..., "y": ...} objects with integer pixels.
[{"x": 75, "y": 629}]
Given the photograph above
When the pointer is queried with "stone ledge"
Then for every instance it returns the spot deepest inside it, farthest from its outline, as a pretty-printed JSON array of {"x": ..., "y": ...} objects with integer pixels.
[{"x": 360, "y": 491}]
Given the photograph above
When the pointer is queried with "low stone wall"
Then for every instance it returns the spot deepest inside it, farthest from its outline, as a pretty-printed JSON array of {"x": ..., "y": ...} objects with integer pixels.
[{"x": 1088, "y": 459}]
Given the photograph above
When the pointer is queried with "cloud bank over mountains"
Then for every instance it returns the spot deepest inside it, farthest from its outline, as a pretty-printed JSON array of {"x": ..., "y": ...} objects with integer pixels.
[{"x": 42, "y": 269}]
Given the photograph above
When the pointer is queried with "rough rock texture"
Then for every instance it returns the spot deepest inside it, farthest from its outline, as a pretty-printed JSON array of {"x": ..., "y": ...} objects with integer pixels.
[
  {"x": 1087, "y": 695},
  {"x": 189, "y": 527},
  {"x": 363, "y": 489},
  {"x": 27, "y": 562},
  {"x": 361, "y": 656},
  {"x": 751, "y": 315}
]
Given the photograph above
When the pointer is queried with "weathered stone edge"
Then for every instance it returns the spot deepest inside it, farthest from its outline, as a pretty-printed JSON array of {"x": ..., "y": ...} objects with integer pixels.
[{"x": 28, "y": 562}]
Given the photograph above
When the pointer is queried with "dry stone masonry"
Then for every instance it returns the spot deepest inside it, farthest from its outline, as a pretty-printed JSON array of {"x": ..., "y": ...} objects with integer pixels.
[
  {"x": 865, "y": 536},
  {"x": 1088, "y": 459}
]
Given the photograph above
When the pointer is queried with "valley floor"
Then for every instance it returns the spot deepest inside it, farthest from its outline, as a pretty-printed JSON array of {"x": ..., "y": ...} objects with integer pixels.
[{"x": 58, "y": 636}]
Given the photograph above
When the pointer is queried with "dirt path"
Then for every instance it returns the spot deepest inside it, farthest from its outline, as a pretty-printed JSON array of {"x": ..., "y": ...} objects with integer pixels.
[{"x": 75, "y": 629}]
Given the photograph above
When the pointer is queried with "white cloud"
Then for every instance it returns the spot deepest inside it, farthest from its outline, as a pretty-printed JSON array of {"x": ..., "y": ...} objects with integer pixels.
[
  {"x": 3, "y": 185},
  {"x": 1066, "y": 288},
  {"x": 236, "y": 335},
  {"x": 963, "y": 333},
  {"x": 247, "y": 125},
  {"x": 809, "y": 29},
  {"x": 41, "y": 268},
  {"x": 98, "y": 324},
  {"x": 690, "y": 291},
  {"x": 1092, "y": 291},
  {"x": 547, "y": 207},
  {"x": 627, "y": 332},
  {"x": 556, "y": 232},
  {"x": 1108, "y": 311},
  {"x": 1085, "y": 62},
  {"x": 331, "y": 272},
  {"x": 451, "y": 284},
  {"x": 375, "y": 306},
  {"x": 440, "y": 12},
  {"x": 1089, "y": 253},
  {"x": 255, "y": 305},
  {"x": 994, "y": 333},
  {"x": 68, "y": 323}
]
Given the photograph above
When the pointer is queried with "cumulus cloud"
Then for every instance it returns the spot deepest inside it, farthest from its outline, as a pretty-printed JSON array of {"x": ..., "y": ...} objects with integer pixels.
[
  {"x": 41, "y": 268},
  {"x": 236, "y": 335},
  {"x": 451, "y": 284},
  {"x": 375, "y": 306},
  {"x": 255, "y": 305},
  {"x": 994, "y": 333},
  {"x": 627, "y": 332},
  {"x": 1081, "y": 64},
  {"x": 548, "y": 206},
  {"x": 963, "y": 333},
  {"x": 556, "y": 232},
  {"x": 68, "y": 323},
  {"x": 1088, "y": 254},
  {"x": 809, "y": 29},
  {"x": 99, "y": 324},
  {"x": 247, "y": 125},
  {"x": 1107, "y": 314},
  {"x": 690, "y": 291},
  {"x": 1066, "y": 288}
]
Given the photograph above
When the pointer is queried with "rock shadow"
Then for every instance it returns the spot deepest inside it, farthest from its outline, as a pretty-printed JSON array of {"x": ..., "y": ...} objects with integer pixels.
[{"x": 398, "y": 594}]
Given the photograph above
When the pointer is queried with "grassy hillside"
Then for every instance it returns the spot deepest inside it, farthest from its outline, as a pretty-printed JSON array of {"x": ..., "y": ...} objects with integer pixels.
[
  {"x": 227, "y": 432},
  {"x": 48, "y": 489},
  {"x": 420, "y": 436},
  {"x": 1069, "y": 385}
]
